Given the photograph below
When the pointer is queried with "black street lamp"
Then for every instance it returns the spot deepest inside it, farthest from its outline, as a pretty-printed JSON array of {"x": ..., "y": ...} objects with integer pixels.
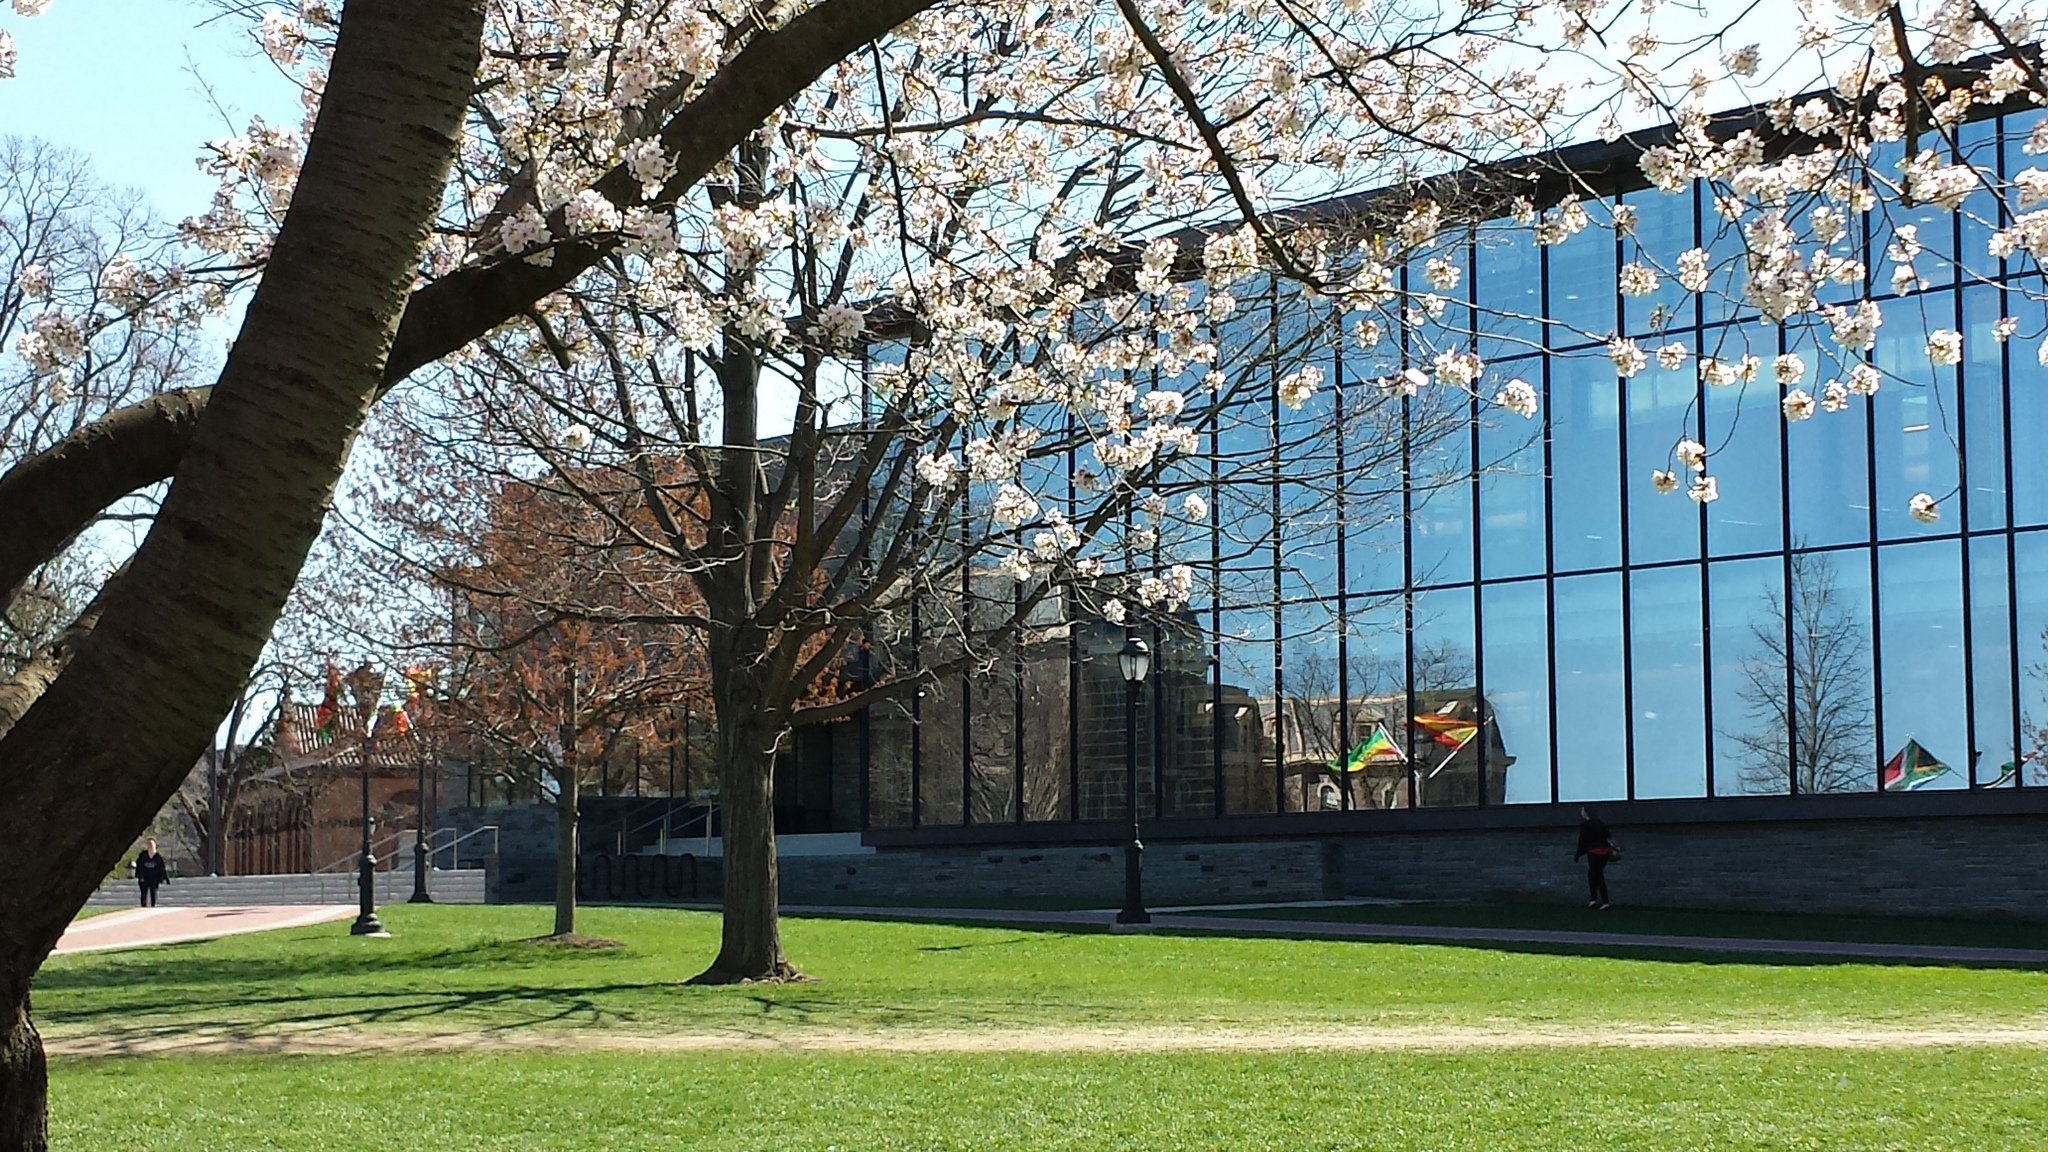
[
  {"x": 367, "y": 923},
  {"x": 1135, "y": 661},
  {"x": 420, "y": 895}
]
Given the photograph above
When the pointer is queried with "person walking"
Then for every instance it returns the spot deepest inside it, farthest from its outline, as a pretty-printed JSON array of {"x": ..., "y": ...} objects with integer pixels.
[
  {"x": 1596, "y": 844},
  {"x": 151, "y": 872}
]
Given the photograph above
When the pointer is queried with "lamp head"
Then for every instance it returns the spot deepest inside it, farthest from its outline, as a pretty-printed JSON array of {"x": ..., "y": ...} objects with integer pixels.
[{"x": 1135, "y": 660}]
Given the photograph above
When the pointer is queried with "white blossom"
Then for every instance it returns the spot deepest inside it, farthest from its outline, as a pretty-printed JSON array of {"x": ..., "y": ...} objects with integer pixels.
[
  {"x": 1704, "y": 490},
  {"x": 1864, "y": 380},
  {"x": 1518, "y": 396},
  {"x": 1458, "y": 369},
  {"x": 840, "y": 324},
  {"x": 1692, "y": 454},
  {"x": 1798, "y": 404},
  {"x": 1300, "y": 386},
  {"x": 576, "y": 437},
  {"x": 1638, "y": 280},
  {"x": 1789, "y": 368},
  {"x": 523, "y": 230},
  {"x": 1115, "y": 612},
  {"x": 1671, "y": 357},
  {"x": 1194, "y": 507},
  {"x": 1664, "y": 482},
  {"x": 1945, "y": 346},
  {"x": 1924, "y": 508},
  {"x": 1834, "y": 397},
  {"x": 35, "y": 282},
  {"x": 1629, "y": 357},
  {"x": 939, "y": 470}
]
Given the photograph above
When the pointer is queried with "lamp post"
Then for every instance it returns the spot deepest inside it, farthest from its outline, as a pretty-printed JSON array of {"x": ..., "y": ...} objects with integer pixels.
[
  {"x": 1134, "y": 661},
  {"x": 367, "y": 923},
  {"x": 420, "y": 895}
]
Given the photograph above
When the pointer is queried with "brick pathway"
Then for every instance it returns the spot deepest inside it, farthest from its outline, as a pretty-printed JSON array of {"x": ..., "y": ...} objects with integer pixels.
[
  {"x": 142, "y": 927},
  {"x": 1844, "y": 949}
]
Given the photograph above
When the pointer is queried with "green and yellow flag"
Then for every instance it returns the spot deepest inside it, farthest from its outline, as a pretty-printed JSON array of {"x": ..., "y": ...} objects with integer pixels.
[{"x": 1378, "y": 748}]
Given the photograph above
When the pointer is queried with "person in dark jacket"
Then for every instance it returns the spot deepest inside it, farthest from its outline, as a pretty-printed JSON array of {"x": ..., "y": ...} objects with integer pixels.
[
  {"x": 1597, "y": 846},
  {"x": 151, "y": 872}
]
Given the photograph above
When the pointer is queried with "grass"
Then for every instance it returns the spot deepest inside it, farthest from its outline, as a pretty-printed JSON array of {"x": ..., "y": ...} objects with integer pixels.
[
  {"x": 1540, "y": 1101},
  {"x": 1983, "y": 933},
  {"x": 455, "y": 969}
]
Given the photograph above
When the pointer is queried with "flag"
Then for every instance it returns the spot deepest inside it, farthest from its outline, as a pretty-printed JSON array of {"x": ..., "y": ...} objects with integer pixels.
[
  {"x": 1453, "y": 732},
  {"x": 1914, "y": 767},
  {"x": 327, "y": 717},
  {"x": 1378, "y": 748}
]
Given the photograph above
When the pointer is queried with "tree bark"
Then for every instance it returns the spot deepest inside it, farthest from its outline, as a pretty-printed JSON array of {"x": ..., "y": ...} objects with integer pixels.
[
  {"x": 566, "y": 799},
  {"x": 749, "y": 731},
  {"x": 84, "y": 769}
]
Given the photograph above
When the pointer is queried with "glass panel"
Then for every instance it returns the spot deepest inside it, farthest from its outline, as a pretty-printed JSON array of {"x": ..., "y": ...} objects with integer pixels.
[
  {"x": 1831, "y": 672},
  {"x": 1747, "y": 633},
  {"x": 941, "y": 751},
  {"x": 2028, "y": 400},
  {"x": 1582, "y": 282},
  {"x": 1376, "y": 687},
  {"x": 1105, "y": 789},
  {"x": 1664, "y": 230},
  {"x": 1374, "y": 432},
  {"x": 1742, "y": 424},
  {"x": 1826, "y": 457},
  {"x": 1668, "y": 683},
  {"x": 1509, "y": 287},
  {"x": 991, "y": 695},
  {"x": 1585, "y": 412},
  {"x": 1984, "y": 408},
  {"x": 1250, "y": 772},
  {"x": 1047, "y": 732},
  {"x": 1181, "y": 709},
  {"x": 1312, "y": 710},
  {"x": 1444, "y": 735},
  {"x": 1660, "y": 414},
  {"x": 889, "y": 765},
  {"x": 1926, "y": 735},
  {"x": 1931, "y": 225},
  {"x": 1977, "y": 144},
  {"x": 2030, "y": 579},
  {"x": 1511, "y": 485},
  {"x": 1518, "y": 689},
  {"x": 1990, "y": 663},
  {"x": 1915, "y": 418},
  {"x": 1441, "y": 532},
  {"x": 1592, "y": 749}
]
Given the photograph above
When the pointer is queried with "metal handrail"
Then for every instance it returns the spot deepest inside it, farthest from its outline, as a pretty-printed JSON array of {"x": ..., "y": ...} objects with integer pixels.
[
  {"x": 357, "y": 855},
  {"x": 455, "y": 861},
  {"x": 668, "y": 813}
]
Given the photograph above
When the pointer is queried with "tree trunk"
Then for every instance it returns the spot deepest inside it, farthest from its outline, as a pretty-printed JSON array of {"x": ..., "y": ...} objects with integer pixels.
[
  {"x": 566, "y": 799},
  {"x": 84, "y": 770},
  {"x": 750, "y": 947},
  {"x": 24, "y": 1081}
]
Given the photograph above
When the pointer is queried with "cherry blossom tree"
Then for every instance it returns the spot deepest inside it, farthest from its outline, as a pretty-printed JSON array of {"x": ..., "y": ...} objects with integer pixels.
[{"x": 1047, "y": 208}]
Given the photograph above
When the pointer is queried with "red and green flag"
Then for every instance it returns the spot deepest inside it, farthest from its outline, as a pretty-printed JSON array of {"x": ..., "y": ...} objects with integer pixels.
[
  {"x": 1453, "y": 732},
  {"x": 1912, "y": 768}
]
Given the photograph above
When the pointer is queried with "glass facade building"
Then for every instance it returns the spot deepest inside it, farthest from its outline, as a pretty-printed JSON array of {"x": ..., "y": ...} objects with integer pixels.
[{"x": 1420, "y": 607}]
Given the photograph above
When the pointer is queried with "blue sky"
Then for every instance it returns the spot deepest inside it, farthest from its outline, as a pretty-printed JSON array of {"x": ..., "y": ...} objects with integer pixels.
[{"x": 121, "y": 81}]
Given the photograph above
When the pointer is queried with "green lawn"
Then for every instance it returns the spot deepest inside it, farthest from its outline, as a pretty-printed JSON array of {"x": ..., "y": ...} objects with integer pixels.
[
  {"x": 464, "y": 970},
  {"x": 1970, "y": 1100},
  {"x": 1984, "y": 933}
]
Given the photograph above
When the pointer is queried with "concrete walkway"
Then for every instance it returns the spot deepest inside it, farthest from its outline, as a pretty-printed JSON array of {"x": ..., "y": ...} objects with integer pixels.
[
  {"x": 143, "y": 927},
  {"x": 1430, "y": 933}
]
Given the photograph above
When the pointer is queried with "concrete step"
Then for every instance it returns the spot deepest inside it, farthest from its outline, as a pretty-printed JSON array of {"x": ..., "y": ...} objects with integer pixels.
[{"x": 456, "y": 886}]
